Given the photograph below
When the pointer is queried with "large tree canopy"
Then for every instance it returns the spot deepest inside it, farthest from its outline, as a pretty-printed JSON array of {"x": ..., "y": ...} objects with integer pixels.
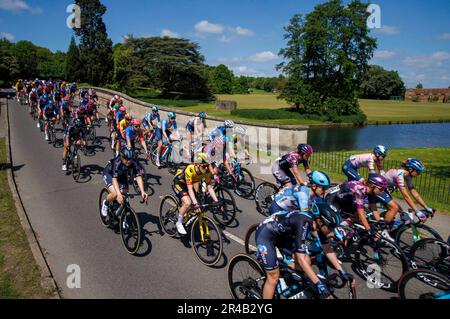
[
  {"x": 379, "y": 83},
  {"x": 326, "y": 58}
]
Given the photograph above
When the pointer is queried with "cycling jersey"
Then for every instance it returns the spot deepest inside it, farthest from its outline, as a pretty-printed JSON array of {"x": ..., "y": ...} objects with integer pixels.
[
  {"x": 50, "y": 111},
  {"x": 293, "y": 198},
  {"x": 366, "y": 160},
  {"x": 123, "y": 125},
  {"x": 350, "y": 196},
  {"x": 116, "y": 169},
  {"x": 147, "y": 121},
  {"x": 64, "y": 105},
  {"x": 291, "y": 160},
  {"x": 165, "y": 126},
  {"x": 74, "y": 133},
  {"x": 219, "y": 133},
  {"x": 130, "y": 134},
  {"x": 120, "y": 116},
  {"x": 396, "y": 178},
  {"x": 194, "y": 124}
]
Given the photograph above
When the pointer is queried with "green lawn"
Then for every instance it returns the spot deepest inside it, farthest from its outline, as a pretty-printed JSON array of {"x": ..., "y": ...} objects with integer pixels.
[
  {"x": 259, "y": 102},
  {"x": 19, "y": 274}
]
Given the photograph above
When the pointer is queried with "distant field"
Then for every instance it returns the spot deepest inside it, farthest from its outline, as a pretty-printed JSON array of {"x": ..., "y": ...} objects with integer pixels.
[{"x": 376, "y": 111}]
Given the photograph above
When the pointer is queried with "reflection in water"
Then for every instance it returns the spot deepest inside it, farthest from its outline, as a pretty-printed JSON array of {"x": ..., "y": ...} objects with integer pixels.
[{"x": 393, "y": 136}]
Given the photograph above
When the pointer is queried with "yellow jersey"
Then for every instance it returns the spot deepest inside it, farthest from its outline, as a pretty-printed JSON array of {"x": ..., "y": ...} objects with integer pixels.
[{"x": 190, "y": 176}]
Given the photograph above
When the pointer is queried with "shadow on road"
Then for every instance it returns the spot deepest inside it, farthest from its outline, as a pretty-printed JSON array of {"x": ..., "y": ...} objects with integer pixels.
[{"x": 5, "y": 166}]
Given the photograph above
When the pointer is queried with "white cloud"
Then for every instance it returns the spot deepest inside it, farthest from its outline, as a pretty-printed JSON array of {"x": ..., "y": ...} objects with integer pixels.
[
  {"x": 388, "y": 30},
  {"x": 244, "y": 70},
  {"x": 384, "y": 54},
  {"x": 440, "y": 56},
  {"x": 7, "y": 36},
  {"x": 207, "y": 27},
  {"x": 17, "y": 6},
  {"x": 426, "y": 61},
  {"x": 225, "y": 39},
  {"x": 169, "y": 33},
  {"x": 232, "y": 60},
  {"x": 444, "y": 36},
  {"x": 412, "y": 78},
  {"x": 263, "y": 56},
  {"x": 242, "y": 31}
]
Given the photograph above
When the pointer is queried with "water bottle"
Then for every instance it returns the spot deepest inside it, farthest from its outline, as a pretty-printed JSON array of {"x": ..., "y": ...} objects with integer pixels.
[{"x": 282, "y": 288}]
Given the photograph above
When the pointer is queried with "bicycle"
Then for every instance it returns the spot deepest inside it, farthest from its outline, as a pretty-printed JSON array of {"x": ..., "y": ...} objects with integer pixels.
[
  {"x": 132, "y": 178},
  {"x": 245, "y": 184},
  {"x": 33, "y": 111},
  {"x": 127, "y": 220},
  {"x": 74, "y": 161},
  {"x": 225, "y": 213},
  {"x": 432, "y": 254},
  {"x": 205, "y": 235},
  {"x": 91, "y": 135},
  {"x": 246, "y": 278},
  {"x": 424, "y": 284},
  {"x": 264, "y": 195},
  {"x": 166, "y": 156},
  {"x": 51, "y": 133}
]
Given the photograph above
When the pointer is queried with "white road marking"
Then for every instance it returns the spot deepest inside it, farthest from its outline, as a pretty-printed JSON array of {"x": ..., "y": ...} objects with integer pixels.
[{"x": 238, "y": 240}]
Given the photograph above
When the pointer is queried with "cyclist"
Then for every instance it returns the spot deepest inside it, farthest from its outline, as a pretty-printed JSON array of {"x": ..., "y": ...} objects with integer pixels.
[
  {"x": 148, "y": 120},
  {"x": 351, "y": 166},
  {"x": 42, "y": 103},
  {"x": 56, "y": 96},
  {"x": 116, "y": 175},
  {"x": 50, "y": 113},
  {"x": 285, "y": 169},
  {"x": 73, "y": 133},
  {"x": 163, "y": 134},
  {"x": 134, "y": 132},
  {"x": 33, "y": 98},
  {"x": 187, "y": 183},
  {"x": 196, "y": 126},
  {"x": 19, "y": 89},
  {"x": 65, "y": 110},
  {"x": 350, "y": 198},
  {"x": 396, "y": 178},
  {"x": 290, "y": 232}
]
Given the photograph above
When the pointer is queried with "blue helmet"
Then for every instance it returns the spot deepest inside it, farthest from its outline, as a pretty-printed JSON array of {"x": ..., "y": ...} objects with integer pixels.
[
  {"x": 414, "y": 164},
  {"x": 327, "y": 213},
  {"x": 202, "y": 115},
  {"x": 319, "y": 178},
  {"x": 50, "y": 102},
  {"x": 171, "y": 115},
  {"x": 127, "y": 153},
  {"x": 381, "y": 150},
  {"x": 155, "y": 108}
]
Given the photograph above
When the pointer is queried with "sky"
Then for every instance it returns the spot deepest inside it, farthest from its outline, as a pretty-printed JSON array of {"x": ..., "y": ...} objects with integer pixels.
[{"x": 246, "y": 35}]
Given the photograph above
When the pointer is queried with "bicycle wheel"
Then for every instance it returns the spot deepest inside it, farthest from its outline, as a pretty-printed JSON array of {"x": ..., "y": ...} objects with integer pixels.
[
  {"x": 246, "y": 277},
  {"x": 264, "y": 196},
  {"x": 41, "y": 125},
  {"x": 424, "y": 284},
  {"x": 381, "y": 262},
  {"x": 227, "y": 214},
  {"x": 206, "y": 240},
  {"x": 168, "y": 215},
  {"x": 76, "y": 167},
  {"x": 106, "y": 220},
  {"x": 245, "y": 185},
  {"x": 406, "y": 236},
  {"x": 153, "y": 148},
  {"x": 432, "y": 254},
  {"x": 130, "y": 230},
  {"x": 250, "y": 240},
  {"x": 53, "y": 138}
]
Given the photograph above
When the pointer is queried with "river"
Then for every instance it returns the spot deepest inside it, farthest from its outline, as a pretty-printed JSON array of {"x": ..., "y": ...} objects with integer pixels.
[{"x": 393, "y": 136}]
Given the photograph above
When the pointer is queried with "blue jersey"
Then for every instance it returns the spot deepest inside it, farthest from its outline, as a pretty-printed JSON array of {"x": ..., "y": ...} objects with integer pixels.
[
  {"x": 49, "y": 110},
  {"x": 119, "y": 116},
  {"x": 64, "y": 105},
  {"x": 167, "y": 126},
  {"x": 219, "y": 132},
  {"x": 147, "y": 121}
]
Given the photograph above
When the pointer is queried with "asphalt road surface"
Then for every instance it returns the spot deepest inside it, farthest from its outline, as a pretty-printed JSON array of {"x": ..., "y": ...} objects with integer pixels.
[{"x": 65, "y": 216}]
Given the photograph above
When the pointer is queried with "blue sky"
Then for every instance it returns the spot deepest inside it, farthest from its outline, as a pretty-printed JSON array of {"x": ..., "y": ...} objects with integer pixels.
[{"x": 246, "y": 35}]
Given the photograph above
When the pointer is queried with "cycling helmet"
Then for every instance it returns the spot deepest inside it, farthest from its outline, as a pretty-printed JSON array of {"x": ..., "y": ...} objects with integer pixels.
[
  {"x": 78, "y": 123},
  {"x": 327, "y": 213},
  {"x": 33, "y": 90},
  {"x": 378, "y": 180},
  {"x": 202, "y": 115},
  {"x": 229, "y": 124},
  {"x": 414, "y": 164},
  {"x": 155, "y": 108},
  {"x": 171, "y": 115},
  {"x": 116, "y": 97},
  {"x": 50, "y": 102},
  {"x": 128, "y": 117},
  {"x": 122, "y": 109},
  {"x": 201, "y": 158},
  {"x": 127, "y": 153},
  {"x": 381, "y": 150},
  {"x": 136, "y": 122},
  {"x": 319, "y": 178},
  {"x": 305, "y": 149},
  {"x": 120, "y": 102}
]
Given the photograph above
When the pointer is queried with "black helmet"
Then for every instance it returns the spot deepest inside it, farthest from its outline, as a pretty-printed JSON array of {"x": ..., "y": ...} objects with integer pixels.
[
  {"x": 327, "y": 213},
  {"x": 127, "y": 153}
]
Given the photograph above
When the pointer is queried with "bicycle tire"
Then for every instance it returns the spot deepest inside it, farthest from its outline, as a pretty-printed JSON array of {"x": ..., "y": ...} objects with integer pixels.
[
  {"x": 106, "y": 220},
  {"x": 76, "y": 167},
  {"x": 250, "y": 182},
  {"x": 433, "y": 279},
  {"x": 169, "y": 217},
  {"x": 153, "y": 149},
  {"x": 54, "y": 139},
  {"x": 404, "y": 237},
  {"x": 263, "y": 199},
  {"x": 433, "y": 254},
  {"x": 249, "y": 287},
  {"x": 251, "y": 232},
  {"x": 216, "y": 244},
  {"x": 130, "y": 227},
  {"x": 229, "y": 206},
  {"x": 378, "y": 265}
]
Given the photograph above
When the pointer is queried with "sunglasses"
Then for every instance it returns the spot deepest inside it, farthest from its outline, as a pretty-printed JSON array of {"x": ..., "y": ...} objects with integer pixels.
[{"x": 137, "y": 126}]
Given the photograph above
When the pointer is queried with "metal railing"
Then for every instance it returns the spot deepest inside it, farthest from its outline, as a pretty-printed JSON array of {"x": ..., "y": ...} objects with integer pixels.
[{"x": 432, "y": 184}]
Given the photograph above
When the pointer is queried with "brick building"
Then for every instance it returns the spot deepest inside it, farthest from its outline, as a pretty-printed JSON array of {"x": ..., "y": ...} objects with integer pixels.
[{"x": 428, "y": 95}]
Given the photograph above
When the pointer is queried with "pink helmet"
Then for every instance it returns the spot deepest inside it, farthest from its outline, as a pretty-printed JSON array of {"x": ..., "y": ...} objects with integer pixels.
[
  {"x": 123, "y": 109},
  {"x": 136, "y": 122}
]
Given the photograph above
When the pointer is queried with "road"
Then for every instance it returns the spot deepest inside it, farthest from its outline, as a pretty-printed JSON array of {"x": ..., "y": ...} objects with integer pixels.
[{"x": 65, "y": 217}]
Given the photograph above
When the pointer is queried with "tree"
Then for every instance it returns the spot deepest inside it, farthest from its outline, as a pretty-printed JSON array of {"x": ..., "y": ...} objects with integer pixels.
[
  {"x": 50, "y": 65},
  {"x": 222, "y": 79},
  {"x": 95, "y": 47},
  {"x": 73, "y": 68},
  {"x": 9, "y": 68},
  {"x": 419, "y": 86},
  {"x": 240, "y": 85},
  {"x": 326, "y": 58},
  {"x": 379, "y": 83},
  {"x": 26, "y": 54}
]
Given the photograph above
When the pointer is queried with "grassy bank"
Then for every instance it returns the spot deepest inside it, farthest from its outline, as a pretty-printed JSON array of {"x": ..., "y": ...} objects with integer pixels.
[
  {"x": 19, "y": 274},
  {"x": 433, "y": 184},
  {"x": 258, "y": 106}
]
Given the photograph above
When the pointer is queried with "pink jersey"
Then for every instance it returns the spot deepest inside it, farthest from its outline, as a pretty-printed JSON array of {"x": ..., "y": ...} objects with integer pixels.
[
  {"x": 366, "y": 160},
  {"x": 396, "y": 178},
  {"x": 359, "y": 191}
]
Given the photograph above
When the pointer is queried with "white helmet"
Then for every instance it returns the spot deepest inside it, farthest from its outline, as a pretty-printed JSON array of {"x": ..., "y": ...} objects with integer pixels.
[
  {"x": 229, "y": 124},
  {"x": 116, "y": 97}
]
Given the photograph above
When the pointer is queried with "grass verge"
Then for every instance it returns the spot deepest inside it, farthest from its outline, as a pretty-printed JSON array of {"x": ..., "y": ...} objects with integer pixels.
[{"x": 20, "y": 276}]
